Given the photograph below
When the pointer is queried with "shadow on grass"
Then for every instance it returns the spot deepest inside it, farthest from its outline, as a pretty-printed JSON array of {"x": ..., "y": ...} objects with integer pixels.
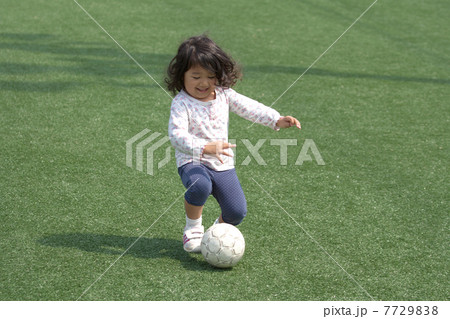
[
  {"x": 41, "y": 86},
  {"x": 150, "y": 248},
  {"x": 343, "y": 75},
  {"x": 86, "y": 63}
]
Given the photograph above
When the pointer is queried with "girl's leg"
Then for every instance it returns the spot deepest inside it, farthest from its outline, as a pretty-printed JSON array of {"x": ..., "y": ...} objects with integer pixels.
[
  {"x": 198, "y": 183},
  {"x": 192, "y": 211},
  {"x": 230, "y": 196},
  {"x": 199, "y": 186}
]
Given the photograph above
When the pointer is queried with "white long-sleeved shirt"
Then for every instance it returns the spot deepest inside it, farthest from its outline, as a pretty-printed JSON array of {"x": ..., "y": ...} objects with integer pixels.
[{"x": 194, "y": 123}]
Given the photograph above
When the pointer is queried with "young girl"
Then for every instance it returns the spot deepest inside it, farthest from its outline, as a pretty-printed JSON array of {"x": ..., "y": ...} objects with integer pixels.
[{"x": 201, "y": 76}]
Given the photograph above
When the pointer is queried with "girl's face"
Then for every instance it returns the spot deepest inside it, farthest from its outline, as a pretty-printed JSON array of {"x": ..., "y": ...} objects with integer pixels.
[{"x": 200, "y": 83}]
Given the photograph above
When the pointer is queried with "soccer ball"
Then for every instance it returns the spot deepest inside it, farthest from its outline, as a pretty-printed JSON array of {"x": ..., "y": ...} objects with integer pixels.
[{"x": 223, "y": 245}]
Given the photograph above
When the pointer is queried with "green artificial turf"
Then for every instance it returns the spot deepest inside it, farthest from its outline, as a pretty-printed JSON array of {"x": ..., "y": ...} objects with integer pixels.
[{"x": 370, "y": 223}]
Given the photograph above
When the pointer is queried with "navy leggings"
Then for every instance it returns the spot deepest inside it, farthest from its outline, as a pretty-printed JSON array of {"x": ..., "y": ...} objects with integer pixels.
[{"x": 223, "y": 185}]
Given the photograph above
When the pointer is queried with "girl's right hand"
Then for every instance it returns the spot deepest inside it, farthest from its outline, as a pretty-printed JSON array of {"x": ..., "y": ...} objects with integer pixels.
[{"x": 217, "y": 149}]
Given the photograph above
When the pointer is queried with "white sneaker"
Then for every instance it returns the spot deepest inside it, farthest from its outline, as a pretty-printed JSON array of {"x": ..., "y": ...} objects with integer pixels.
[{"x": 192, "y": 239}]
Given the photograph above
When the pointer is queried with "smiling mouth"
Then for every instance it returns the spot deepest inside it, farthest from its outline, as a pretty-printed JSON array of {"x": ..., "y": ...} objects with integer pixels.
[{"x": 202, "y": 91}]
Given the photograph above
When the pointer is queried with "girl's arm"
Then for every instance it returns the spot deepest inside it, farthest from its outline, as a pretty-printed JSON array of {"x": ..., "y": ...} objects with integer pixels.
[
  {"x": 179, "y": 134},
  {"x": 252, "y": 110},
  {"x": 288, "y": 121},
  {"x": 188, "y": 143},
  {"x": 258, "y": 113}
]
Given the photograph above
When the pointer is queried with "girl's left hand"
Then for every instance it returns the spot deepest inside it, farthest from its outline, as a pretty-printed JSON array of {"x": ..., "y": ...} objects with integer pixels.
[{"x": 288, "y": 121}]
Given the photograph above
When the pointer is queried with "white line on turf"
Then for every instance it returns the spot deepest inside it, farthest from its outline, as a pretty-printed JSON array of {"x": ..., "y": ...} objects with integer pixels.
[
  {"x": 126, "y": 52},
  {"x": 315, "y": 241},
  {"x": 320, "y": 56},
  {"x": 149, "y": 75},
  {"x": 126, "y": 250}
]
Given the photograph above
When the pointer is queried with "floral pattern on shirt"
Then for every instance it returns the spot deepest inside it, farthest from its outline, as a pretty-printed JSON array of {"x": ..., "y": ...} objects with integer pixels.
[{"x": 194, "y": 123}]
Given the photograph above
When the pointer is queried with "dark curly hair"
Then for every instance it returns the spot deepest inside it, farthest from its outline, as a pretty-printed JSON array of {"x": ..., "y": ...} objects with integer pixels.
[{"x": 204, "y": 52}]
